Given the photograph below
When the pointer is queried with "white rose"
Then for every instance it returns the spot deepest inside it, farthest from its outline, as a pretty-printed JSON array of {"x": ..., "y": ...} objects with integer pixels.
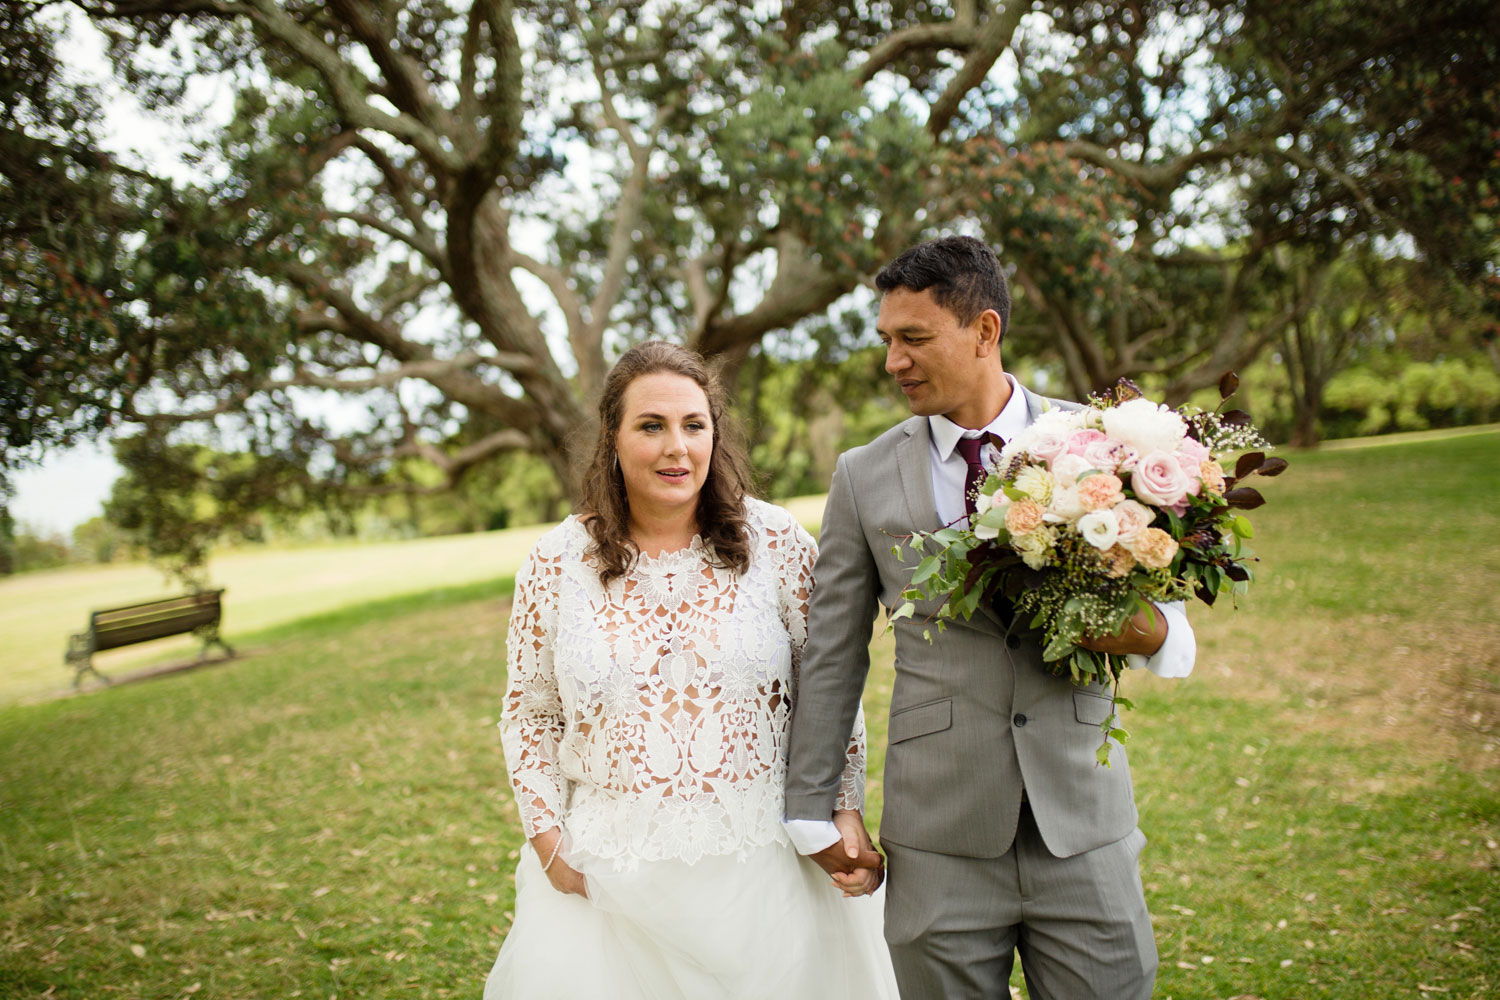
[
  {"x": 1066, "y": 506},
  {"x": 1100, "y": 529},
  {"x": 1145, "y": 426},
  {"x": 1068, "y": 468},
  {"x": 1132, "y": 518},
  {"x": 1058, "y": 421}
]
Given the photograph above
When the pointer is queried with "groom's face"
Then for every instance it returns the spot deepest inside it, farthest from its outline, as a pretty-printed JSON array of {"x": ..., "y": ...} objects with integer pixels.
[{"x": 932, "y": 357}]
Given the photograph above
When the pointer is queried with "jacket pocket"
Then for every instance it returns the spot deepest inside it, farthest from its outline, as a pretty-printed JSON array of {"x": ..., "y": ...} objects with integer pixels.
[
  {"x": 920, "y": 720},
  {"x": 1090, "y": 709}
]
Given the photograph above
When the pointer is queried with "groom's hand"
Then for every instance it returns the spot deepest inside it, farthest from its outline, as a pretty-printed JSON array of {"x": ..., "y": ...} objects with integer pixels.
[
  {"x": 852, "y": 853},
  {"x": 1143, "y": 632}
]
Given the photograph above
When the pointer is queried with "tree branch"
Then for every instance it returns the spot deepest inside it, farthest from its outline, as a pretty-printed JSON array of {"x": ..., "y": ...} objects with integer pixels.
[
  {"x": 994, "y": 38},
  {"x": 347, "y": 92},
  {"x": 958, "y": 34}
]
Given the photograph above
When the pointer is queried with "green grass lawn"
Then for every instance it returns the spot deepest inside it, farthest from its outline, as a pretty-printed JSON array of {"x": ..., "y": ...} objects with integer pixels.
[{"x": 329, "y": 816}]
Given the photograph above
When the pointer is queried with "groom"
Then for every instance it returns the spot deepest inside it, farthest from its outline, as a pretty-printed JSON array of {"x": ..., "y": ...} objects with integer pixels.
[{"x": 1002, "y": 832}]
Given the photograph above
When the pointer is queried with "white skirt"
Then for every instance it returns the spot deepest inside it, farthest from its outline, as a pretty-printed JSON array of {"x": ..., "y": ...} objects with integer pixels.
[{"x": 769, "y": 926}]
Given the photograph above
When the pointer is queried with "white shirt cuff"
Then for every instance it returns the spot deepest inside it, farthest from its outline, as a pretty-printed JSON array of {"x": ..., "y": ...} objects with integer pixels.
[
  {"x": 810, "y": 836},
  {"x": 1178, "y": 652}
]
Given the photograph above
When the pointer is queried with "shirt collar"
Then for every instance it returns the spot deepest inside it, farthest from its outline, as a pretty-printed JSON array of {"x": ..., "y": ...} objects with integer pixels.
[{"x": 1011, "y": 421}]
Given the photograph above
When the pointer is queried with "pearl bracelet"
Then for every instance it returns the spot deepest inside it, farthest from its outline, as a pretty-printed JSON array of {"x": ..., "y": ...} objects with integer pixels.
[{"x": 555, "y": 845}]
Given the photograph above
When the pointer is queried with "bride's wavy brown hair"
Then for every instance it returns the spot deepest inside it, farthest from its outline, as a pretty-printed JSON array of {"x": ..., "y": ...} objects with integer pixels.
[{"x": 604, "y": 504}]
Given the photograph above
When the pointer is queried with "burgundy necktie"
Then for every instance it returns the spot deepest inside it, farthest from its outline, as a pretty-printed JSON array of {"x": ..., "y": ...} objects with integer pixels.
[{"x": 969, "y": 448}]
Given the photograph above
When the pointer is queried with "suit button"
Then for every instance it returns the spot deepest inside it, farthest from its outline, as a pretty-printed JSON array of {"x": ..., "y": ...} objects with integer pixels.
[
  {"x": 1014, "y": 642},
  {"x": 1019, "y": 720}
]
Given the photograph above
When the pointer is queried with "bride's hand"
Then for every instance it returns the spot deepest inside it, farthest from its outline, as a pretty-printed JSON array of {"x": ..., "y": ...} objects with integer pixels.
[
  {"x": 855, "y": 840},
  {"x": 563, "y": 876}
]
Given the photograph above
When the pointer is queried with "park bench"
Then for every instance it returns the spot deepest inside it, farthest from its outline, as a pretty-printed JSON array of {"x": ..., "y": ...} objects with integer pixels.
[{"x": 114, "y": 627}]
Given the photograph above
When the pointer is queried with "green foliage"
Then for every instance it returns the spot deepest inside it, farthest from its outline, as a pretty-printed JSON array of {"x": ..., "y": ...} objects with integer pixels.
[
  {"x": 1452, "y": 393},
  {"x": 32, "y": 551}
]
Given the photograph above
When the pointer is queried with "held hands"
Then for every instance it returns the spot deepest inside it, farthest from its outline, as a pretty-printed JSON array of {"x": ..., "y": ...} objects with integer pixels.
[
  {"x": 564, "y": 878},
  {"x": 1144, "y": 632},
  {"x": 856, "y": 867}
]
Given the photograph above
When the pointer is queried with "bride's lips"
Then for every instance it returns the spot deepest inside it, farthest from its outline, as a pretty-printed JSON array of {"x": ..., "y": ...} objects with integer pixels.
[{"x": 673, "y": 475}]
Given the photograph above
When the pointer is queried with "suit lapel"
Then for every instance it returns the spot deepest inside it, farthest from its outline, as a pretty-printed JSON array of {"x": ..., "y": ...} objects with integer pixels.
[{"x": 915, "y": 465}]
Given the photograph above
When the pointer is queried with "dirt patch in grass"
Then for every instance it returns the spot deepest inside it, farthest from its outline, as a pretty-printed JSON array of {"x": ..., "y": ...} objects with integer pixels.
[{"x": 1435, "y": 691}]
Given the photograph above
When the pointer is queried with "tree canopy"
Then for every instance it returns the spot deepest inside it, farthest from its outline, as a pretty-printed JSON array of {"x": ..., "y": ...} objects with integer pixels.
[{"x": 455, "y": 215}]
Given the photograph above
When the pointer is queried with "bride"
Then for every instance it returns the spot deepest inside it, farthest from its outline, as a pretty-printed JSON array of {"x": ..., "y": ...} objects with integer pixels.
[{"x": 653, "y": 651}]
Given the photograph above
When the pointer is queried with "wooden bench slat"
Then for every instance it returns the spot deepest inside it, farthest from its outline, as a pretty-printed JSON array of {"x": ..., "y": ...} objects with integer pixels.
[
  {"x": 111, "y": 628},
  {"x": 203, "y": 597}
]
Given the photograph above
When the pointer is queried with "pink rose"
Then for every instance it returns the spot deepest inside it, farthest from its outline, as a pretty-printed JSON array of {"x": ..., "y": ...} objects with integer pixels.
[
  {"x": 1158, "y": 479},
  {"x": 1100, "y": 492},
  {"x": 1103, "y": 454},
  {"x": 1079, "y": 441},
  {"x": 1196, "y": 451},
  {"x": 1046, "y": 446},
  {"x": 1133, "y": 518}
]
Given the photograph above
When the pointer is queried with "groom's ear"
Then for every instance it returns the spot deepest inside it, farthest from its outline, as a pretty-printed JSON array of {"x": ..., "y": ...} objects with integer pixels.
[{"x": 990, "y": 328}]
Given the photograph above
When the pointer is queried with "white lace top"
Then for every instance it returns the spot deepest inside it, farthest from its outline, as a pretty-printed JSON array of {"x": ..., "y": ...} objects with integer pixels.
[{"x": 650, "y": 717}]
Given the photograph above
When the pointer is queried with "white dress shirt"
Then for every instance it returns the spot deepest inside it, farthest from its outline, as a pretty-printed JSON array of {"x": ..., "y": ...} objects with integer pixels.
[{"x": 1174, "y": 659}]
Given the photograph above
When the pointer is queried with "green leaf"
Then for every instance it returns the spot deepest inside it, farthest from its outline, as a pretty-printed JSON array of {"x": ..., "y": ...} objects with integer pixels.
[
  {"x": 925, "y": 570},
  {"x": 993, "y": 518},
  {"x": 905, "y": 611},
  {"x": 1240, "y": 525},
  {"x": 1123, "y": 702},
  {"x": 1102, "y": 754}
]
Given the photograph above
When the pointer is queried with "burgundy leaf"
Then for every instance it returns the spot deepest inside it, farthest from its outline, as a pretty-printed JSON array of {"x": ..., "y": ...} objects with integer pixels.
[
  {"x": 1235, "y": 418},
  {"x": 1228, "y": 383},
  {"x": 1245, "y": 498},
  {"x": 1272, "y": 467},
  {"x": 1248, "y": 463},
  {"x": 1236, "y": 572}
]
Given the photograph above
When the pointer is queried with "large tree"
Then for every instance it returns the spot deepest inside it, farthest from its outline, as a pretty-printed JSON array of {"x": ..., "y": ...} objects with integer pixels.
[{"x": 455, "y": 214}]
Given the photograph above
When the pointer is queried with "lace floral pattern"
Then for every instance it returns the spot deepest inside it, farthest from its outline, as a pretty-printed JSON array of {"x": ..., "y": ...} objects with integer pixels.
[{"x": 650, "y": 717}]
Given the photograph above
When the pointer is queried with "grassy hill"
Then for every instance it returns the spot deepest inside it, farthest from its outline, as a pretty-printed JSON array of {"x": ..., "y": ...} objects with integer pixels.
[
  {"x": 329, "y": 816},
  {"x": 266, "y": 587}
]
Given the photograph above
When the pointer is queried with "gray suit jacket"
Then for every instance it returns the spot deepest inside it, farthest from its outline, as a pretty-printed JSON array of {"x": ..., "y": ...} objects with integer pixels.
[{"x": 975, "y": 717}]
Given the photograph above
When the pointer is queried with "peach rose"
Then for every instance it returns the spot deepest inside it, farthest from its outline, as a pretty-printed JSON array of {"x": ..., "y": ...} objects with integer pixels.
[
  {"x": 1213, "y": 477},
  {"x": 1154, "y": 548},
  {"x": 1024, "y": 517},
  {"x": 1117, "y": 561},
  {"x": 1100, "y": 492}
]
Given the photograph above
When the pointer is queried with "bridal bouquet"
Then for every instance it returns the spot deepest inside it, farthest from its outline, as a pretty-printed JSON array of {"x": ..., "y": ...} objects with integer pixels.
[{"x": 1091, "y": 514}]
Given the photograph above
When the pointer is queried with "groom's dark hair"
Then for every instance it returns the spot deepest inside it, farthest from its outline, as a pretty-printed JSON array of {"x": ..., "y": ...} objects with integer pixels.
[{"x": 962, "y": 273}]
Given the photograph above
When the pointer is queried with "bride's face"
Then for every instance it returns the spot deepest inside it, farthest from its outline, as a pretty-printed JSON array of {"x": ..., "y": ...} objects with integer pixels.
[{"x": 665, "y": 443}]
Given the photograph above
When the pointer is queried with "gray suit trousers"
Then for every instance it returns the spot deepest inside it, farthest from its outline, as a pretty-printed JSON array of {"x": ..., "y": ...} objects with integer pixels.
[{"x": 954, "y": 924}]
